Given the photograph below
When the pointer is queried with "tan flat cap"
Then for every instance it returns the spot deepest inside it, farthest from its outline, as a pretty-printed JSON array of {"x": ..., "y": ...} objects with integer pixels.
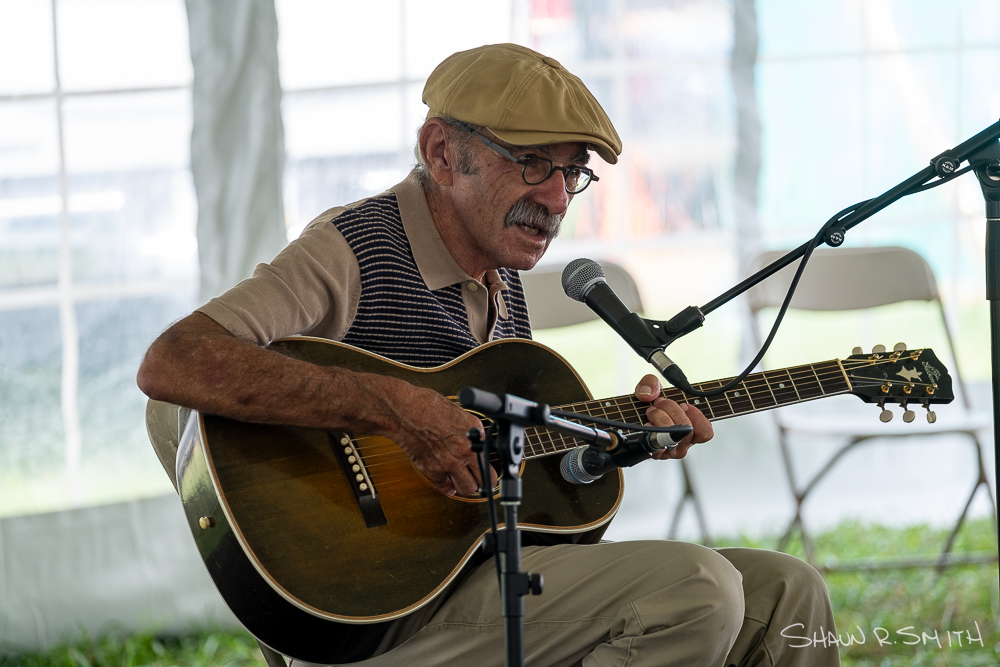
[{"x": 523, "y": 97}]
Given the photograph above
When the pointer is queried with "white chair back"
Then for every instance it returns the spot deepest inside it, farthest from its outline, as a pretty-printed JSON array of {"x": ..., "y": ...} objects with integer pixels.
[
  {"x": 846, "y": 279},
  {"x": 549, "y": 307},
  {"x": 853, "y": 279}
]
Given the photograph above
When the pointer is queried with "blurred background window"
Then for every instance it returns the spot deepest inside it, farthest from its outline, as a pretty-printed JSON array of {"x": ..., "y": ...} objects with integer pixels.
[{"x": 97, "y": 249}]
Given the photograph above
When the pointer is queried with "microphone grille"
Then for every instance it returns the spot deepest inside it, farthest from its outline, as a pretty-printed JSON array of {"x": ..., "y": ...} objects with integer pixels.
[
  {"x": 572, "y": 470},
  {"x": 579, "y": 276}
]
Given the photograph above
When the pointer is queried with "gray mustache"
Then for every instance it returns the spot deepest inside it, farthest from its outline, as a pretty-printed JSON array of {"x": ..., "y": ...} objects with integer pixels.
[{"x": 526, "y": 212}]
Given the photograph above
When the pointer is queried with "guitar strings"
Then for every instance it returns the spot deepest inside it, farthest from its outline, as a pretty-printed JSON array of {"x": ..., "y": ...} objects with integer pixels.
[
  {"x": 623, "y": 408},
  {"x": 759, "y": 383},
  {"x": 382, "y": 457}
]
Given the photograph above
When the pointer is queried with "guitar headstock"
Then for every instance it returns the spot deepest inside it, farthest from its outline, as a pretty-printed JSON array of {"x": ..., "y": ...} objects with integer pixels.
[{"x": 903, "y": 377}]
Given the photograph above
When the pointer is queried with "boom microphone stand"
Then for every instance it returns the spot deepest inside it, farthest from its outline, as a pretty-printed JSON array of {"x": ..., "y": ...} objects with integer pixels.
[{"x": 983, "y": 154}]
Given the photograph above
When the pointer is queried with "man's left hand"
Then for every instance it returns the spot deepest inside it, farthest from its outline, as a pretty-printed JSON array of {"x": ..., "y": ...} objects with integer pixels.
[{"x": 664, "y": 412}]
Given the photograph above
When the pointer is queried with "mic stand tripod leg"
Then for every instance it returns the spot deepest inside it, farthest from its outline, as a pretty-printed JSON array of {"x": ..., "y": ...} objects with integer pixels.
[
  {"x": 512, "y": 581},
  {"x": 514, "y": 584}
]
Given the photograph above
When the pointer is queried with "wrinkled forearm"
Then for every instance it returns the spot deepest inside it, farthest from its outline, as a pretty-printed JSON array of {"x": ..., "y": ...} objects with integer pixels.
[{"x": 198, "y": 364}]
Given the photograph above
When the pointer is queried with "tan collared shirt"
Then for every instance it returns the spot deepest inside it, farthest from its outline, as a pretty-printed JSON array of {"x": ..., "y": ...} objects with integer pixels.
[{"x": 313, "y": 286}]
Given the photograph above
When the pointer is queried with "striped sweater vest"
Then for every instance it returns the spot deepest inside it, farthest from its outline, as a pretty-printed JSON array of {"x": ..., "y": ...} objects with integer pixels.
[{"x": 398, "y": 316}]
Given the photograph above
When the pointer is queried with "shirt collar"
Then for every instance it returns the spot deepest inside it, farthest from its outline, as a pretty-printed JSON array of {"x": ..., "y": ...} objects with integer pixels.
[{"x": 436, "y": 265}]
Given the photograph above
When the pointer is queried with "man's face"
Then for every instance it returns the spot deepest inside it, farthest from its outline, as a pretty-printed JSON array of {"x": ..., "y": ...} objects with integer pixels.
[{"x": 506, "y": 222}]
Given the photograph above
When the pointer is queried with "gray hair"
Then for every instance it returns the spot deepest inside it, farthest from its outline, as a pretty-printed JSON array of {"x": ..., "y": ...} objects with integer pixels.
[{"x": 465, "y": 161}]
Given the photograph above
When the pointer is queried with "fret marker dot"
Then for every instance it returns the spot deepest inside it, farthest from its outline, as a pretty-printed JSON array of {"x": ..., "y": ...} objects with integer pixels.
[
  {"x": 697, "y": 401},
  {"x": 781, "y": 386},
  {"x": 736, "y": 393},
  {"x": 607, "y": 404}
]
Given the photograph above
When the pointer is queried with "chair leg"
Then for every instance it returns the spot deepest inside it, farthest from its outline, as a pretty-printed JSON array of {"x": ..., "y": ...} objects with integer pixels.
[
  {"x": 981, "y": 480},
  {"x": 798, "y": 497},
  {"x": 941, "y": 560},
  {"x": 689, "y": 495},
  {"x": 271, "y": 657},
  {"x": 801, "y": 495}
]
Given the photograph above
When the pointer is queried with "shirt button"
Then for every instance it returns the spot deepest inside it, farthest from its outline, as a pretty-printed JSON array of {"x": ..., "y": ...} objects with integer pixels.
[{"x": 473, "y": 287}]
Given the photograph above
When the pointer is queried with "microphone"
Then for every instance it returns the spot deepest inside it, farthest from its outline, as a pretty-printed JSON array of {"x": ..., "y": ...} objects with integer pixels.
[
  {"x": 586, "y": 464},
  {"x": 583, "y": 280}
]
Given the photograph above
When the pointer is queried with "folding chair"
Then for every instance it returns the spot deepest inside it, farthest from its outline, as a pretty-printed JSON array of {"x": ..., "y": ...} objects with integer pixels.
[{"x": 845, "y": 279}]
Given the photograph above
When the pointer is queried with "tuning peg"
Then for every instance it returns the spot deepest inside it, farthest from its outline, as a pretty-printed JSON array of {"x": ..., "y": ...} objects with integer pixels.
[
  {"x": 878, "y": 349},
  {"x": 909, "y": 416},
  {"x": 857, "y": 351},
  {"x": 931, "y": 415},
  {"x": 899, "y": 347},
  {"x": 886, "y": 416}
]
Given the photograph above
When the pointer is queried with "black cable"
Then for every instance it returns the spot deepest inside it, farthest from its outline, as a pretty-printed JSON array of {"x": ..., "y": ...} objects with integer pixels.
[
  {"x": 682, "y": 382},
  {"x": 933, "y": 184},
  {"x": 487, "y": 488}
]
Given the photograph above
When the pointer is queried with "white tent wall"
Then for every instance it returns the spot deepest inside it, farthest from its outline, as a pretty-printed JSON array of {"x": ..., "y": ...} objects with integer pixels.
[
  {"x": 129, "y": 566},
  {"x": 237, "y": 141},
  {"x": 133, "y": 566}
]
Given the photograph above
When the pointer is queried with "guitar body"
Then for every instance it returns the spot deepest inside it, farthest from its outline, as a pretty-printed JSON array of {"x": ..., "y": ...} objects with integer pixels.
[{"x": 288, "y": 545}]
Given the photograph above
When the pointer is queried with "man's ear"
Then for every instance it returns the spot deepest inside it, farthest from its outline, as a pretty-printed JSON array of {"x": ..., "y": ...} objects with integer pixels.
[{"x": 434, "y": 147}]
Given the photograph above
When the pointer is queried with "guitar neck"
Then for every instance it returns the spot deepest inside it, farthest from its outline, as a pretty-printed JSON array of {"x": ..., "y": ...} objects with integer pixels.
[{"x": 759, "y": 391}]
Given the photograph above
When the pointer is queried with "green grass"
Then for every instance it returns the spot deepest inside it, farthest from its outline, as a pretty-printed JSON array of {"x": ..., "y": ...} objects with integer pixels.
[
  {"x": 907, "y": 603},
  {"x": 207, "y": 649},
  {"x": 909, "y": 606}
]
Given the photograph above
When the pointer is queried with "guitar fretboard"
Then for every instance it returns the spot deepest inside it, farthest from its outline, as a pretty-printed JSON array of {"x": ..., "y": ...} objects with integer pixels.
[{"x": 759, "y": 391}]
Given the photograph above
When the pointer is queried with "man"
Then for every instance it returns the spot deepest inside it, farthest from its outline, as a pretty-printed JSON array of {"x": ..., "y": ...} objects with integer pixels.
[{"x": 426, "y": 272}]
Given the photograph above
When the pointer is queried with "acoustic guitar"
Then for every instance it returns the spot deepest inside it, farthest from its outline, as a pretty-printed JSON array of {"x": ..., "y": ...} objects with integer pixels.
[{"x": 317, "y": 540}]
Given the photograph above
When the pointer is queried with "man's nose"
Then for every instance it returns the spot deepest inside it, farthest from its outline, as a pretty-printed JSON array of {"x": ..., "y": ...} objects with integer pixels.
[{"x": 551, "y": 193}]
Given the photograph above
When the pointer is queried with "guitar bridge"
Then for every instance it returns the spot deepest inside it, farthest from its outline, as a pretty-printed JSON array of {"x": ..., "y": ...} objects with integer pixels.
[{"x": 357, "y": 476}]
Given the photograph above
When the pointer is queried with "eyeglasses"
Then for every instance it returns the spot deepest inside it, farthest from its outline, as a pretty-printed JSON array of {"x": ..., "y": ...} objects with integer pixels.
[{"x": 535, "y": 169}]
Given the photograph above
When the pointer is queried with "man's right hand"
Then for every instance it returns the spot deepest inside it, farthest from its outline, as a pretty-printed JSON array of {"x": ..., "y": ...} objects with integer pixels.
[{"x": 432, "y": 434}]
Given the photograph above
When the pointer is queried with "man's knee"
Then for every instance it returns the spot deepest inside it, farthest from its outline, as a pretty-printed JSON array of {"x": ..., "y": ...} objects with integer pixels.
[
  {"x": 775, "y": 583},
  {"x": 710, "y": 593},
  {"x": 772, "y": 568},
  {"x": 801, "y": 576},
  {"x": 723, "y": 586}
]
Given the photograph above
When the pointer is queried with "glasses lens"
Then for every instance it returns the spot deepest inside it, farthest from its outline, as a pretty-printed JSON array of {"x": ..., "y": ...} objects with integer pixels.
[
  {"x": 536, "y": 169},
  {"x": 576, "y": 180}
]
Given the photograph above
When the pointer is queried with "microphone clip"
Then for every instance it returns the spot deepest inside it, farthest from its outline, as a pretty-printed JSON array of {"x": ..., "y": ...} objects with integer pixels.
[
  {"x": 657, "y": 334},
  {"x": 682, "y": 323}
]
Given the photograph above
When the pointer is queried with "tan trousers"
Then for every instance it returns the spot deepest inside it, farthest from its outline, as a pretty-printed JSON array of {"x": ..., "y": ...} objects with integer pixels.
[{"x": 636, "y": 604}]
